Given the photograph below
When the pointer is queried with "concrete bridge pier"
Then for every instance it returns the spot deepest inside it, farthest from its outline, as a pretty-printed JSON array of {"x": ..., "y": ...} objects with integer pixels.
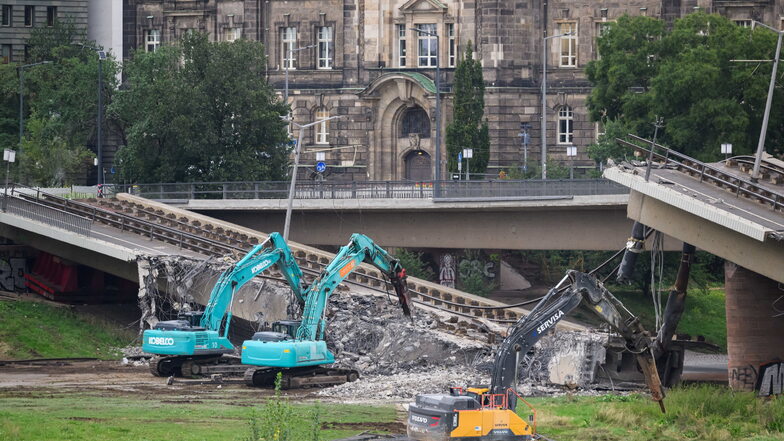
[{"x": 755, "y": 338}]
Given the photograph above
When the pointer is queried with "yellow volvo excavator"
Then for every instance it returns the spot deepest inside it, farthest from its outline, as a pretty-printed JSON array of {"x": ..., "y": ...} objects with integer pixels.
[{"x": 488, "y": 413}]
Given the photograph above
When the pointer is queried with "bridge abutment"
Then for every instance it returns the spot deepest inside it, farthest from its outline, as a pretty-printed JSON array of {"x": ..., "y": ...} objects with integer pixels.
[{"x": 755, "y": 338}]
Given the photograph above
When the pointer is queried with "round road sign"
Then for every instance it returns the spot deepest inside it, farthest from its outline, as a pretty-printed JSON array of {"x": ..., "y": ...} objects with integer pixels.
[{"x": 321, "y": 167}]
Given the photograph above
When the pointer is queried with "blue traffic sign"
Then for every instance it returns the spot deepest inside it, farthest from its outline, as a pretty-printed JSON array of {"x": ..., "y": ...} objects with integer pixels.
[
  {"x": 321, "y": 167},
  {"x": 460, "y": 157}
]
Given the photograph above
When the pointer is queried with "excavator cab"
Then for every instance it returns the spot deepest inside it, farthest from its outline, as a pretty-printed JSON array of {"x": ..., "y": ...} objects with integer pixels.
[
  {"x": 186, "y": 321},
  {"x": 466, "y": 414},
  {"x": 281, "y": 331}
]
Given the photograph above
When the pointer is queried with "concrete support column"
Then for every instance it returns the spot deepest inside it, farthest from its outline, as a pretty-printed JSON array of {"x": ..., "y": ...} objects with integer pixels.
[{"x": 754, "y": 337}]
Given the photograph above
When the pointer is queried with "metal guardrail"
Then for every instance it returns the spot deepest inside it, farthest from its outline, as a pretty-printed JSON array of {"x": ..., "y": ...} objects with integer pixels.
[
  {"x": 710, "y": 174},
  {"x": 182, "y": 192},
  {"x": 46, "y": 215}
]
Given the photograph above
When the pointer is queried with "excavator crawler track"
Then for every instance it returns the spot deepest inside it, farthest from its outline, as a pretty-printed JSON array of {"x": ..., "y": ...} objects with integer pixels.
[
  {"x": 165, "y": 366},
  {"x": 299, "y": 377}
]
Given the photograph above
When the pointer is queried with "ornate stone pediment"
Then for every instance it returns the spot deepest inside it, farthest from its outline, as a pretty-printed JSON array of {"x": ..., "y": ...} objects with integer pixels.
[{"x": 423, "y": 6}]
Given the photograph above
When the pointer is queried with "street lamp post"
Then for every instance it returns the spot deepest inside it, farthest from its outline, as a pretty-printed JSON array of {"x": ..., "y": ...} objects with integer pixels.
[
  {"x": 544, "y": 100},
  {"x": 99, "y": 130},
  {"x": 297, "y": 150},
  {"x": 764, "y": 129},
  {"x": 99, "y": 141},
  {"x": 437, "y": 174}
]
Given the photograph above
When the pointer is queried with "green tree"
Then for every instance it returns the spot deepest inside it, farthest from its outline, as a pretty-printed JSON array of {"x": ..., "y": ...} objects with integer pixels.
[
  {"x": 606, "y": 147},
  {"x": 200, "y": 111},
  {"x": 688, "y": 77},
  {"x": 63, "y": 105},
  {"x": 468, "y": 129}
]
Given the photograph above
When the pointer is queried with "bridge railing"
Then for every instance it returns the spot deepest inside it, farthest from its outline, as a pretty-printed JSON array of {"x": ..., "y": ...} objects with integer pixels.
[
  {"x": 23, "y": 204},
  {"x": 182, "y": 192}
]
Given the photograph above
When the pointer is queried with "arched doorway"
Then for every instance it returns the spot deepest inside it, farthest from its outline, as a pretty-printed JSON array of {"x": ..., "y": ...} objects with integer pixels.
[{"x": 418, "y": 166}]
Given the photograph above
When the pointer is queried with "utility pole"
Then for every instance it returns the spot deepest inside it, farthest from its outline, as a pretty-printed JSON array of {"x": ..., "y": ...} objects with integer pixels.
[
  {"x": 657, "y": 124},
  {"x": 755, "y": 174}
]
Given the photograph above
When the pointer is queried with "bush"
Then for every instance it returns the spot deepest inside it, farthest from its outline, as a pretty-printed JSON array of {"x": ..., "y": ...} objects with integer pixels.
[
  {"x": 414, "y": 264},
  {"x": 472, "y": 278}
]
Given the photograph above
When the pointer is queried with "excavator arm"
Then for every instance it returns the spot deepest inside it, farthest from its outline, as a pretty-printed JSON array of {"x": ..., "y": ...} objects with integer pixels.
[
  {"x": 273, "y": 250},
  {"x": 359, "y": 249},
  {"x": 559, "y": 302}
]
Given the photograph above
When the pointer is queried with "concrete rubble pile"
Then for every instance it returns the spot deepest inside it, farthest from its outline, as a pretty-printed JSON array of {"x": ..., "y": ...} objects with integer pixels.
[{"x": 398, "y": 358}]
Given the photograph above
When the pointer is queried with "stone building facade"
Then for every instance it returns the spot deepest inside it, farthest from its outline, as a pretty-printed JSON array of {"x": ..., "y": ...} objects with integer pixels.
[
  {"x": 364, "y": 61},
  {"x": 19, "y": 17}
]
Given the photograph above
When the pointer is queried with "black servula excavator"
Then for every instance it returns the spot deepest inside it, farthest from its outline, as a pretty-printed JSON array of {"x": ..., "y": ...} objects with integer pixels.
[{"x": 488, "y": 413}]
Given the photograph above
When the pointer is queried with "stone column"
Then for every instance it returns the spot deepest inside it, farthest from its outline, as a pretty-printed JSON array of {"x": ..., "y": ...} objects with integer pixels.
[{"x": 755, "y": 338}]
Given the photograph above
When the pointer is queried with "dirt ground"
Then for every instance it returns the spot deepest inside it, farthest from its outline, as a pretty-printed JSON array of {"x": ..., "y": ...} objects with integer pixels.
[{"x": 111, "y": 378}]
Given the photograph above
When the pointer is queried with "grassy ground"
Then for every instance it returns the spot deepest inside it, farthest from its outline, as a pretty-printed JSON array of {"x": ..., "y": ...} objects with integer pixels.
[
  {"x": 704, "y": 313},
  {"x": 84, "y": 417},
  {"x": 31, "y": 330},
  {"x": 710, "y": 413}
]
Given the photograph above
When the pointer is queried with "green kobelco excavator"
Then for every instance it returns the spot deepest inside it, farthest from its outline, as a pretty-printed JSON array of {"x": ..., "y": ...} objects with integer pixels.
[{"x": 193, "y": 344}]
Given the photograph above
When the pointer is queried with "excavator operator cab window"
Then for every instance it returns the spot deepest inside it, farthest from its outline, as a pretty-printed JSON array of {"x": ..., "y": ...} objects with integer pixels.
[
  {"x": 192, "y": 317},
  {"x": 288, "y": 327}
]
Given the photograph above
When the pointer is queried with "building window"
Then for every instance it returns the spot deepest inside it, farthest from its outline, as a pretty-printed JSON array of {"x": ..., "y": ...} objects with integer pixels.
[
  {"x": 288, "y": 40},
  {"x": 415, "y": 120},
  {"x": 51, "y": 15},
  {"x": 29, "y": 16},
  {"x": 232, "y": 34},
  {"x": 324, "y": 42},
  {"x": 6, "y": 53},
  {"x": 322, "y": 134},
  {"x": 8, "y": 12},
  {"x": 401, "y": 45},
  {"x": 450, "y": 32},
  {"x": 565, "y": 125},
  {"x": 744, "y": 23},
  {"x": 152, "y": 40},
  {"x": 27, "y": 52},
  {"x": 428, "y": 50},
  {"x": 568, "y": 44}
]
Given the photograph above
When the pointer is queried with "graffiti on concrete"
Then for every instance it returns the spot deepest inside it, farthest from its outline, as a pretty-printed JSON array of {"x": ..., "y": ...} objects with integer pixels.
[
  {"x": 771, "y": 379},
  {"x": 468, "y": 266},
  {"x": 743, "y": 377},
  {"x": 12, "y": 271},
  {"x": 446, "y": 275}
]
